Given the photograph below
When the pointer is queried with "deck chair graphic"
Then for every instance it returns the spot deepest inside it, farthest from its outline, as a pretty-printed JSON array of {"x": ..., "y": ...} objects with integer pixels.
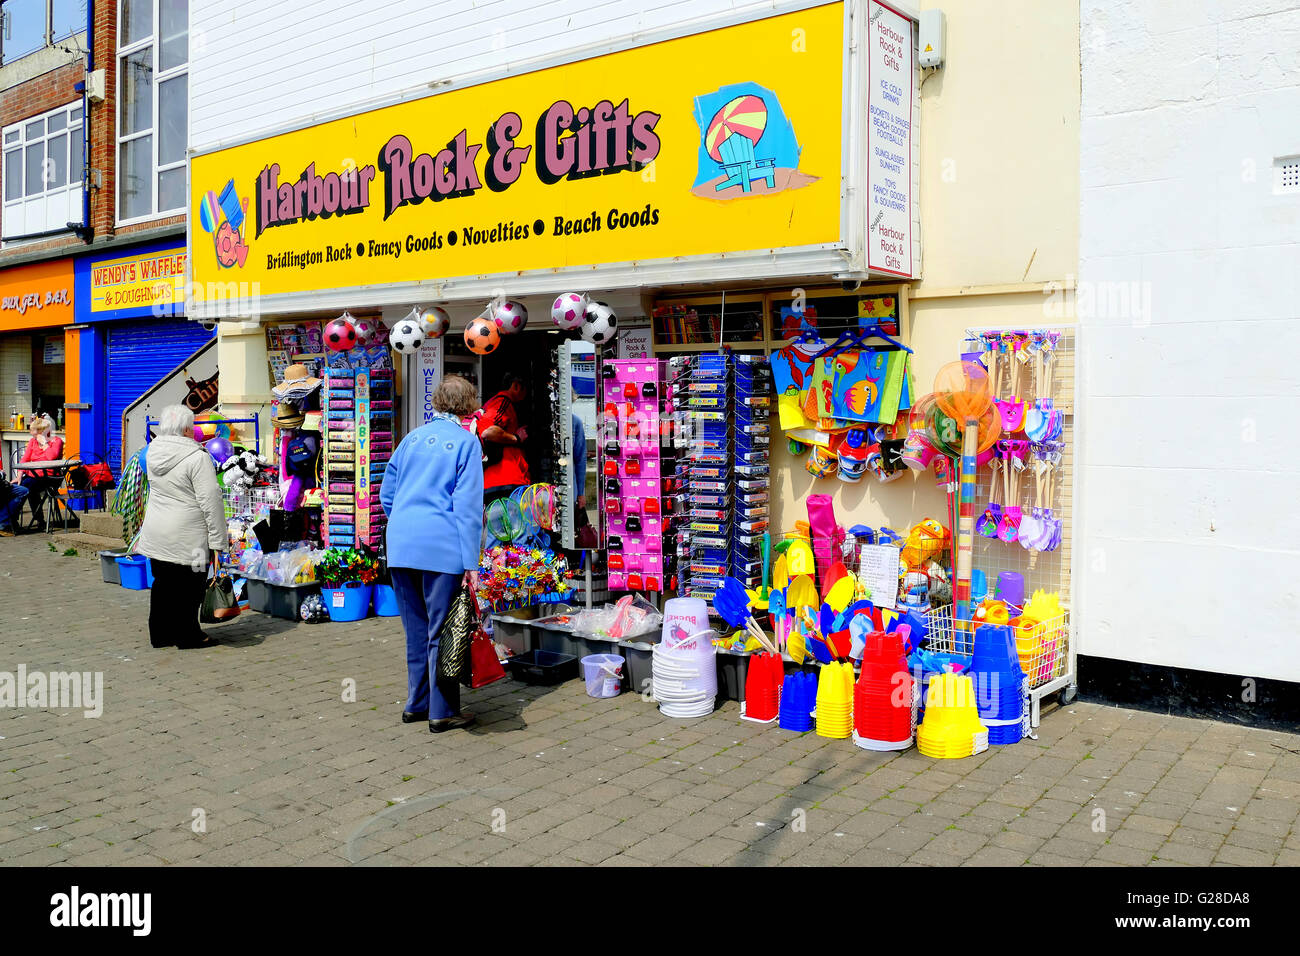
[{"x": 741, "y": 167}]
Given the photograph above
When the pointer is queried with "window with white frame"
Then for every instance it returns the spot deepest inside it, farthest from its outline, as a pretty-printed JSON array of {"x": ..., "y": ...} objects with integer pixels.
[
  {"x": 152, "y": 106},
  {"x": 42, "y": 173}
]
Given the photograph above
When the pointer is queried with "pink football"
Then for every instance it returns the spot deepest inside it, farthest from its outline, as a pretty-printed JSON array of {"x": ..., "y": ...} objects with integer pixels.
[{"x": 568, "y": 311}]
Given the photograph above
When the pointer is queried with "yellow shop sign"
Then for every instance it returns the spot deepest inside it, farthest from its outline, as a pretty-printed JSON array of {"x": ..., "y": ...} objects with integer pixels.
[
  {"x": 148, "y": 280},
  {"x": 729, "y": 141}
]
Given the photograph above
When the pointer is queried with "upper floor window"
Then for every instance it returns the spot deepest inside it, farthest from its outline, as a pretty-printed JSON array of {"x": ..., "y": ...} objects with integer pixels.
[
  {"x": 31, "y": 25},
  {"x": 43, "y": 172},
  {"x": 152, "y": 97}
]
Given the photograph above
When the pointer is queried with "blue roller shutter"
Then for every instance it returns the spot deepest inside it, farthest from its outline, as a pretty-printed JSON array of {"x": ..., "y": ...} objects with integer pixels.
[{"x": 139, "y": 354}]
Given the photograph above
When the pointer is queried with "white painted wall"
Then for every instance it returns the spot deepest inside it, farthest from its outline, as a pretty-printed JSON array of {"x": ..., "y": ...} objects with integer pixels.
[
  {"x": 1189, "y": 524},
  {"x": 257, "y": 67}
]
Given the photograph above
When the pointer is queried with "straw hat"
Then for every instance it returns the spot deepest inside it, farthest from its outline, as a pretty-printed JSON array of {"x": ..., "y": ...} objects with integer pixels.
[
  {"x": 289, "y": 415},
  {"x": 295, "y": 377}
]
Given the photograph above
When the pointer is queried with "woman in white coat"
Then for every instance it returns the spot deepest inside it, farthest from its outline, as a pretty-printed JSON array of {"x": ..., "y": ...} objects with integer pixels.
[{"x": 184, "y": 527}]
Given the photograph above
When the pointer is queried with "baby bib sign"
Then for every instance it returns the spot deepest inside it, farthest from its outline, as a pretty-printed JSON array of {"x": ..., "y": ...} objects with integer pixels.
[{"x": 608, "y": 160}]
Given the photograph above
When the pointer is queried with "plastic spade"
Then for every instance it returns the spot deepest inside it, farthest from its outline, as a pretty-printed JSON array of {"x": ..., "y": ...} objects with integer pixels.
[{"x": 732, "y": 602}]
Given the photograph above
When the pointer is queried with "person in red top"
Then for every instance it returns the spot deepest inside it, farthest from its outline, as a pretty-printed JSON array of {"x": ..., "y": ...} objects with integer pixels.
[
  {"x": 44, "y": 445},
  {"x": 504, "y": 465}
]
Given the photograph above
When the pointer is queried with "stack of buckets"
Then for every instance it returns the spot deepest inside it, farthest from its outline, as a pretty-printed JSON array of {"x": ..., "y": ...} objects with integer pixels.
[
  {"x": 835, "y": 700},
  {"x": 952, "y": 727},
  {"x": 999, "y": 683},
  {"x": 684, "y": 669},
  {"x": 763, "y": 687},
  {"x": 883, "y": 710},
  {"x": 798, "y": 698}
]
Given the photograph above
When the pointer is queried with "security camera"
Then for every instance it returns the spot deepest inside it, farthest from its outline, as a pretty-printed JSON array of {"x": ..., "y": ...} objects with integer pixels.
[
  {"x": 851, "y": 285},
  {"x": 208, "y": 325}
]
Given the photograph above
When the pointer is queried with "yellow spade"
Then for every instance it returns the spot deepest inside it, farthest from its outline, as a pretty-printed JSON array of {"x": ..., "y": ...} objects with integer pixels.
[
  {"x": 841, "y": 594},
  {"x": 795, "y": 645},
  {"x": 799, "y": 558},
  {"x": 780, "y": 577}
]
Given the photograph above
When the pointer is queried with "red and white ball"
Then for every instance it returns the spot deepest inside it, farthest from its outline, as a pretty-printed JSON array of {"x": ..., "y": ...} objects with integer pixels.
[
  {"x": 482, "y": 336},
  {"x": 435, "y": 322},
  {"x": 568, "y": 311},
  {"x": 510, "y": 317},
  {"x": 341, "y": 335}
]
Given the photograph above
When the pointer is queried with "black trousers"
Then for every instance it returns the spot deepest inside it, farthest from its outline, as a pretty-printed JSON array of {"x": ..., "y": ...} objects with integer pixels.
[
  {"x": 174, "y": 604},
  {"x": 38, "y": 489}
]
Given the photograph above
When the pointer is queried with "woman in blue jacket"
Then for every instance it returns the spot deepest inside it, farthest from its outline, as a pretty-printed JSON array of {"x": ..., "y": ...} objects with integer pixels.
[{"x": 433, "y": 495}]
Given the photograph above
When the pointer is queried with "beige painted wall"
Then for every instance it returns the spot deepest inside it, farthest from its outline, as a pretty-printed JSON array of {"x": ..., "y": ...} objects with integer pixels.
[
  {"x": 999, "y": 207},
  {"x": 1000, "y": 145}
]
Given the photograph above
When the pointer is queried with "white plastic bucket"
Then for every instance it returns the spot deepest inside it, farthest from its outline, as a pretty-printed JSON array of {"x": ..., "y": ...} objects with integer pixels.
[{"x": 603, "y": 674}]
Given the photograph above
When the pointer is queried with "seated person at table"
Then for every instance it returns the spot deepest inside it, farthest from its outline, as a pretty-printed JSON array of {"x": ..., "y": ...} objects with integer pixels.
[
  {"x": 44, "y": 445},
  {"x": 12, "y": 498}
]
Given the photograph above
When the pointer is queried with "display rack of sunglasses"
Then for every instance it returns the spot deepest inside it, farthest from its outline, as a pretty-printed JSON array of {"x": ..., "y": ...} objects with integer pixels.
[{"x": 638, "y": 512}]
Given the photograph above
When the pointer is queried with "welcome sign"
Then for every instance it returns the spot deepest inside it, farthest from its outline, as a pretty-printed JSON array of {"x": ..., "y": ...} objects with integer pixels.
[{"x": 618, "y": 159}]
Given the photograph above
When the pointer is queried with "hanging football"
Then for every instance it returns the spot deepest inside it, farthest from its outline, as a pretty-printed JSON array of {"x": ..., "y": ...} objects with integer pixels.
[
  {"x": 341, "y": 335},
  {"x": 435, "y": 322},
  {"x": 482, "y": 337},
  {"x": 365, "y": 330},
  {"x": 599, "y": 323},
  {"x": 568, "y": 311},
  {"x": 406, "y": 337},
  {"x": 510, "y": 317}
]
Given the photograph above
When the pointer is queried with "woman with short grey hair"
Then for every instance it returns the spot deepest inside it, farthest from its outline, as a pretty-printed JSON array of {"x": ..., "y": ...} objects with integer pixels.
[{"x": 184, "y": 528}]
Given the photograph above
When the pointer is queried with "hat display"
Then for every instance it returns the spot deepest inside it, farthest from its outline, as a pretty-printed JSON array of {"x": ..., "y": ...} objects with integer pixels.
[
  {"x": 298, "y": 382},
  {"x": 288, "y": 415}
]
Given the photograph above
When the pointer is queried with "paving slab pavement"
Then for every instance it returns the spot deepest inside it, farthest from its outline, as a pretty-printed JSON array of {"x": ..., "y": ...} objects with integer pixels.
[{"x": 258, "y": 753}]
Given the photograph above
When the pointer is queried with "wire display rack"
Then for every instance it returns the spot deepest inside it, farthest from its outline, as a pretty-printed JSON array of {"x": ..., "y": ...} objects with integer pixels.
[
  {"x": 1046, "y": 653},
  {"x": 1049, "y": 571}
]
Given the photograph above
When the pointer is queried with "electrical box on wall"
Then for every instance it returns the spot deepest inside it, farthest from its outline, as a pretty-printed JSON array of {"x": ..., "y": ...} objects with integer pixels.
[
  {"x": 932, "y": 41},
  {"x": 95, "y": 86}
]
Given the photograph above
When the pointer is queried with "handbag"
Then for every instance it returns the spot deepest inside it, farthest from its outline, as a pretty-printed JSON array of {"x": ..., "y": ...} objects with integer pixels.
[
  {"x": 485, "y": 666},
  {"x": 219, "y": 602},
  {"x": 455, "y": 637}
]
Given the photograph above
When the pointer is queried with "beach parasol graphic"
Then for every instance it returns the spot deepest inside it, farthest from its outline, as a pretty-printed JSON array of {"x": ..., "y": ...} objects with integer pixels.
[
  {"x": 745, "y": 115},
  {"x": 209, "y": 212}
]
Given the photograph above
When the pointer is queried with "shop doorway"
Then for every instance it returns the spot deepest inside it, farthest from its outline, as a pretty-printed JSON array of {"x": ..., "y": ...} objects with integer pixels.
[{"x": 531, "y": 356}]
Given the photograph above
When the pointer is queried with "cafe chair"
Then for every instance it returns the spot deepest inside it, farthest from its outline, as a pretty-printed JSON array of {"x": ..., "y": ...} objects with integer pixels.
[{"x": 88, "y": 484}]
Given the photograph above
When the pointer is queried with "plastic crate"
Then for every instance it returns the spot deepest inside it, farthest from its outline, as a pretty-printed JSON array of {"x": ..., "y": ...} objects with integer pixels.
[
  {"x": 543, "y": 667},
  {"x": 279, "y": 600},
  {"x": 640, "y": 663},
  {"x": 108, "y": 565}
]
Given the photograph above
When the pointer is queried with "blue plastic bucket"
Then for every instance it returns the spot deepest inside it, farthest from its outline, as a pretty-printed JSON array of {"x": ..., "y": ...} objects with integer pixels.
[
  {"x": 385, "y": 601},
  {"x": 348, "y": 603},
  {"x": 133, "y": 572}
]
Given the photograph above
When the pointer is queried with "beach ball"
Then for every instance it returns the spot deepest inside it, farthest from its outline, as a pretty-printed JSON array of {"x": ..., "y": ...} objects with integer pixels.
[
  {"x": 220, "y": 449},
  {"x": 365, "y": 330},
  {"x": 206, "y": 429},
  {"x": 406, "y": 337},
  {"x": 569, "y": 310},
  {"x": 435, "y": 322},
  {"x": 482, "y": 337},
  {"x": 510, "y": 317},
  {"x": 341, "y": 335},
  {"x": 599, "y": 323}
]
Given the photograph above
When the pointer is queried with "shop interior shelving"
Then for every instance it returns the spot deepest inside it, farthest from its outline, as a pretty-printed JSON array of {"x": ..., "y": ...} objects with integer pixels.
[{"x": 751, "y": 321}]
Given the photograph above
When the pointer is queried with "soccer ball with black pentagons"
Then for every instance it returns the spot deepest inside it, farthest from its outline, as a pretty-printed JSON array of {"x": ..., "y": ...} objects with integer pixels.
[
  {"x": 435, "y": 322},
  {"x": 341, "y": 335},
  {"x": 482, "y": 336},
  {"x": 406, "y": 337},
  {"x": 599, "y": 324}
]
